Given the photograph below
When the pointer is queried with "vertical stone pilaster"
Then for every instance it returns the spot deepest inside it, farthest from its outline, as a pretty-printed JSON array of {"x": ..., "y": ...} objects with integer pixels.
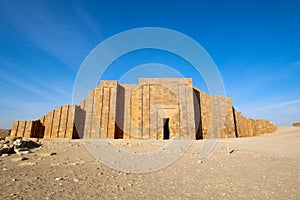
[
  {"x": 27, "y": 129},
  {"x": 15, "y": 127},
  {"x": 89, "y": 104},
  {"x": 56, "y": 123},
  {"x": 112, "y": 111},
  {"x": 63, "y": 121},
  {"x": 140, "y": 112},
  {"x": 146, "y": 111}
]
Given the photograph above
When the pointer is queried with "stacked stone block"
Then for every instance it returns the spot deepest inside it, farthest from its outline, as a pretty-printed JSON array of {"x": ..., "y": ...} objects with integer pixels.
[
  {"x": 100, "y": 111},
  {"x": 25, "y": 128},
  {"x": 206, "y": 112},
  {"x": 229, "y": 126},
  {"x": 139, "y": 111},
  {"x": 59, "y": 123},
  {"x": 249, "y": 127},
  {"x": 166, "y": 98},
  {"x": 216, "y": 116},
  {"x": 297, "y": 124}
]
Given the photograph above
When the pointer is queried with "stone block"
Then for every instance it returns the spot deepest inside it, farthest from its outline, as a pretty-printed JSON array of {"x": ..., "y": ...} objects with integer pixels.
[
  {"x": 296, "y": 124},
  {"x": 141, "y": 111}
]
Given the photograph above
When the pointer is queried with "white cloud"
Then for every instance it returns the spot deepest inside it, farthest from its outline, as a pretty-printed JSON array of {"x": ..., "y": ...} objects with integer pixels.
[
  {"x": 278, "y": 105},
  {"x": 25, "y": 85},
  {"x": 49, "y": 29},
  {"x": 30, "y": 77},
  {"x": 281, "y": 113}
]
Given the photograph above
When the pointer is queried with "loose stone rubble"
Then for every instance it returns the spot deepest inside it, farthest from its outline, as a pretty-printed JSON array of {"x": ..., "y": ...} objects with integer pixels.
[{"x": 18, "y": 145}]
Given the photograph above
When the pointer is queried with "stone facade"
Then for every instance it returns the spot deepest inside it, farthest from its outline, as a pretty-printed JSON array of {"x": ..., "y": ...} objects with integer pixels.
[
  {"x": 156, "y": 108},
  {"x": 296, "y": 124}
]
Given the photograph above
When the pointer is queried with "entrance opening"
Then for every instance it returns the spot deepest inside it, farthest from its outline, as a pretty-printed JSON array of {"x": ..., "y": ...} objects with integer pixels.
[{"x": 166, "y": 128}]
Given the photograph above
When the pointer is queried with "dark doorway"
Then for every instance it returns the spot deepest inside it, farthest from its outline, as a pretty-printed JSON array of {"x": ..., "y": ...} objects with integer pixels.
[{"x": 166, "y": 128}]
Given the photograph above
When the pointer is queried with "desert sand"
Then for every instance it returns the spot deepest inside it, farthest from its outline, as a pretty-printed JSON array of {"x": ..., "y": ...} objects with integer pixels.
[{"x": 262, "y": 167}]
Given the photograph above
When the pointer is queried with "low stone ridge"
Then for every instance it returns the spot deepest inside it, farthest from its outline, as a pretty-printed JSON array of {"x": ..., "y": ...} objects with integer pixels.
[
  {"x": 4, "y": 133},
  {"x": 156, "y": 108},
  {"x": 297, "y": 124}
]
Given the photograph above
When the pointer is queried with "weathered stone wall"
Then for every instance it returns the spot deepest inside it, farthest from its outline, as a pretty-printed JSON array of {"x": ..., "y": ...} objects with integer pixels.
[
  {"x": 152, "y": 101},
  {"x": 250, "y": 127},
  {"x": 59, "y": 123},
  {"x": 158, "y": 99},
  {"x": 296, "y": 124},
  {"x": 229, "y": 125},
  {"x": 206, "y": 112},
  {"x": 100, "y": 111},
  {"x": 221, "y": 109},
  {"x": 140, "y": 111},
  {"x": 27, "y": 128}
]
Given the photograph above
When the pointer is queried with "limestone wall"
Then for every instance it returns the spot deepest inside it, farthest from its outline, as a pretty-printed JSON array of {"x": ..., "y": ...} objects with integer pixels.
[
  {"x": 250, "y": 127},
  {"x": 157, "y": 99},
  {"x": 229, "y": 125},
  {"x": 100, "y": 111},
  {"x": 139, "y": 111},
  {"x": 296, "y": 124},
  {"x": 26, "y": 128},
  {"x": 59, "y": 123},
  {"x": 221, "y": 109}
]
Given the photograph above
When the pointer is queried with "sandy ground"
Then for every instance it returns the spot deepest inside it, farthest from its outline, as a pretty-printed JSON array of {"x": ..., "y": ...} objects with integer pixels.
[{"x": 264, "y": 167}]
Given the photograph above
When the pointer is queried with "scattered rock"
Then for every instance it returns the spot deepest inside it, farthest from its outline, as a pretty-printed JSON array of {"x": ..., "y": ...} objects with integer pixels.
[
  {"x": 5, "y": 149},
  {"x": 18, "y": 145},
  {"x": 75, "y": 163},
  {"x": 27, "y": 164},
  {"x": 122, "y": 188},
  {"x": 81, "y": 162},
  {"x": 21, "y": 151},
  {"x": 36, "y": 140},
  {"x": 11, "y": 139},
  {"x": 19, "y": 159},
  {"x": 46, "y": 154}
]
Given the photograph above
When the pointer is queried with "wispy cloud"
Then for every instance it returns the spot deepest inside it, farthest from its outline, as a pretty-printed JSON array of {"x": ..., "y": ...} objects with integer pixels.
[
  {"x": 46, "y": 26},
  {"x": 25, "y": 85},
  {"x": 278, "y": 105},
  {"x": 13, "y": 109},
  {"x": 87, "y": 19},
  {"x": 281, "y": 113},
  {"x": 30, "y": 77}
]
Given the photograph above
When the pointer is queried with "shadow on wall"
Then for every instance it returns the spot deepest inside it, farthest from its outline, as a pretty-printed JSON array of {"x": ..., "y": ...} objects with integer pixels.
[
  {"x": 79, "y": 123},
  {"x": 120, "y": 106},
  {"x": 197, "y": 114}
]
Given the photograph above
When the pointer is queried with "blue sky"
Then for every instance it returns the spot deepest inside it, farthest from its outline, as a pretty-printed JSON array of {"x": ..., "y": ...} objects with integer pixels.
[{"x": 255, "y": 45}]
